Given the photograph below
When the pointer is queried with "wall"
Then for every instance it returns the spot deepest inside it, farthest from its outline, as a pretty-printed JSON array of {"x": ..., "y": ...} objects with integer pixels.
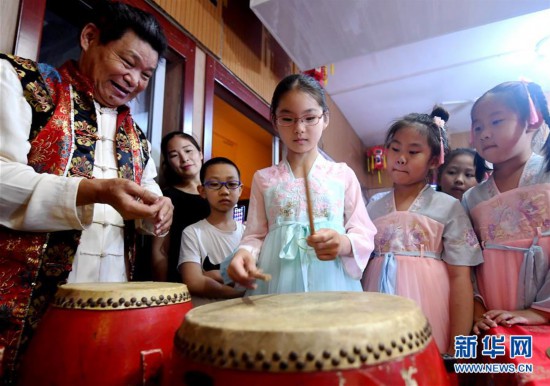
[
  {"x": 342, "y": 143},
  {"x": 459, "y": 139}
]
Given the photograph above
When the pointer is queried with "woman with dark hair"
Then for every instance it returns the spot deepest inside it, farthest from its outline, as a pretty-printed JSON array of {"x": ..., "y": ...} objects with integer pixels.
[{"x": 181, "y": 167}]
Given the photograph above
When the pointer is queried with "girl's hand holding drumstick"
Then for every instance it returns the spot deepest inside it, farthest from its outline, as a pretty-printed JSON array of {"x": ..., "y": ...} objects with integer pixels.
[
  {"x": 327, "y": 243},
  {"x": 309, "y": 203},
  {"x": 243, "y": 270},
  {"x": 262, "y": 276}
]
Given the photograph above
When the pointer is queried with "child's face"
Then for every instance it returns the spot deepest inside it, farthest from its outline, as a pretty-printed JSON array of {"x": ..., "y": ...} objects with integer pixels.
[
  {"x": 409, "y": 157},
  {"x": 183, "y": 157},
  {"x": 300, "y": 138},
  {"x": 498, "y": 133},
  {"x": 458, "y": 176},
  {"x": 223, "y": 199}
]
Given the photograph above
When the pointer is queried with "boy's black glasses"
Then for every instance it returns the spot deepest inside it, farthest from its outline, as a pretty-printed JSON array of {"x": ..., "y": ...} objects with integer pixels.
[{"x": 217, "y": 185}]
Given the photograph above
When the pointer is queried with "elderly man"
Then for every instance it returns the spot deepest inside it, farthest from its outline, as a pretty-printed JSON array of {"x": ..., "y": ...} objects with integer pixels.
[{"x": 75, "y": 168}]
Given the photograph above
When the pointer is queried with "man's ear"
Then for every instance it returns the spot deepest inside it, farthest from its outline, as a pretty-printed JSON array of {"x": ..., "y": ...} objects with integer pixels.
[{"x": 88, "y": 36}]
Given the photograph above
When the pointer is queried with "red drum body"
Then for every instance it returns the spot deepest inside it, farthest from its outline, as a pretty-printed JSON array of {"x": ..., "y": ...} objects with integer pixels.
[
  {"x": 532, "y": 371},
  {"x": 107, "y": 334},
  {"x": 308, "y": 339}
]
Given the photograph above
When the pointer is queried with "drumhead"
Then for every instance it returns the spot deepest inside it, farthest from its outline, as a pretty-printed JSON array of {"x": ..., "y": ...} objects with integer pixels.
[
  {"x": 113, "y": 296},
  {"x": 304, "y": 332}
]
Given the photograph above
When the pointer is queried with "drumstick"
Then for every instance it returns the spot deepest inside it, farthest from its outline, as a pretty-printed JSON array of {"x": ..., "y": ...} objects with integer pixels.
[{"x": 309, "y": 203}]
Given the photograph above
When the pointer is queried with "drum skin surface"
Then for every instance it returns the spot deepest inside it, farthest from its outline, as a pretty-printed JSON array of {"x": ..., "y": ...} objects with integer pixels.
[
  {"x": 307, "y": 339},
  {"x": 106, "y": 334}
]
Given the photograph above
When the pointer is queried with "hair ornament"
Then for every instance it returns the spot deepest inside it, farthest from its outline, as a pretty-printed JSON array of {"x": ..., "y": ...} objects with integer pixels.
[
  {"x": 533, "y": 116},
  {"x": 441, "y": 124}
]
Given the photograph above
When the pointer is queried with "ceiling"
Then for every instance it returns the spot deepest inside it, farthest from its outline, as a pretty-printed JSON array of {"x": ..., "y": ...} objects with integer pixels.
[{"x": 393, "y": 57}]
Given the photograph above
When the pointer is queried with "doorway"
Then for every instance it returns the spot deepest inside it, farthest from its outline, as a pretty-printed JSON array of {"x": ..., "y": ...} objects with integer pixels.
[{"x": 244, "y": 142}]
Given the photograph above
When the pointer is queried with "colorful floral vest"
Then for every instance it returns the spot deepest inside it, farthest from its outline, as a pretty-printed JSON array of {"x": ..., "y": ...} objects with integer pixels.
[{"x": 62, "y": 138}]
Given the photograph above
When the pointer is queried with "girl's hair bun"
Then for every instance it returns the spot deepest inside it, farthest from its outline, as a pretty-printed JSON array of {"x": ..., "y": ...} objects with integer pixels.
[{"x": 440, "y": 112}]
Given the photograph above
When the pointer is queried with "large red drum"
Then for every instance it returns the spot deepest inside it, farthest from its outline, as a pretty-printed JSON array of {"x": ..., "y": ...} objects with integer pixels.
[
  {"x": 308, "y": 339},
  {"x": 107, "y": 334}
]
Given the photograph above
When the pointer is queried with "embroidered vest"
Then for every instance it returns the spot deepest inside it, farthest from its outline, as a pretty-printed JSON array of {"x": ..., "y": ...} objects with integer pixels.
[{"x": 62, "y": 138}]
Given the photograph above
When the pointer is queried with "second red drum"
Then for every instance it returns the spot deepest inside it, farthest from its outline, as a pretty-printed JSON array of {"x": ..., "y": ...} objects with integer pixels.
[{"x": 107, "y": 334}]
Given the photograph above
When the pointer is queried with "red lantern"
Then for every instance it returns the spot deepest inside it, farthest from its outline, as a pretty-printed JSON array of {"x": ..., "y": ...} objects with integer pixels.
[
  {"x": 319, "y": 73},
  {"x": 376, "y": 160}
]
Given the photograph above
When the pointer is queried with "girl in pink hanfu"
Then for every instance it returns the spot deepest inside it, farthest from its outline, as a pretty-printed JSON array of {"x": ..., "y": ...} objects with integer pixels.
[
  {"x": 425, "y": 244},
  {"x": 511, "y": 210},
  {"x": 278, "y": 239}
]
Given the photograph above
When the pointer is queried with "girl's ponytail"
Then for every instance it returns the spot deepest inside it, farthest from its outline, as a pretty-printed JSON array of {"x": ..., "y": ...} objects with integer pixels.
[
  {"x": 481, "y": 167},
  {"x": 540, "y": 102}
]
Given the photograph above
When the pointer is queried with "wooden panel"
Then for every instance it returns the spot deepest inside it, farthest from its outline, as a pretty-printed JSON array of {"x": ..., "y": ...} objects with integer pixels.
[
  {"x": 200, "y": 18},
  {"x": 177, "y": 40},
  {"x": 29, "y": 33},
  {"x": 173, "y": 96},
  {"x": 188, "y": 92},
  {"x": 238, "y": 88},
  {"x": 208, "y": 106},
  {"x": 235, "y": 37},
  {"x": 9, "y": 11},
  {"x": 261, "y": 73}
]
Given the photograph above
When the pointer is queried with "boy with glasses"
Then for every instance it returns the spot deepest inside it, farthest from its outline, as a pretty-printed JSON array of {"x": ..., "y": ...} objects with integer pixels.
[{"x": 205, "y": 244}]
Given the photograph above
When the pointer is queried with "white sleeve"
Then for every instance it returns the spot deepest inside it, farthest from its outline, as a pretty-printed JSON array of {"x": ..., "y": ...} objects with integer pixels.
[
  {"x": 149, "y": 174},
  {"x": 190, "y": 250},
  {"x": 28, "y": 200},
  {"x": 148, "y": 182}
]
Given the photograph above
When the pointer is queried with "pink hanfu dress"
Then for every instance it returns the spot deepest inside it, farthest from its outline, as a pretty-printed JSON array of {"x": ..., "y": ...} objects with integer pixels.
[
  {"x": 514, "y": 228},
  {"x": 413, "y": 248}
]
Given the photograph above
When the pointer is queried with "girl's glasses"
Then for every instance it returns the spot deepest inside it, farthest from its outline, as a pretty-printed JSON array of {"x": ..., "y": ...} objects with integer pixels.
[
  {"x": 308, "y": 120},
  {"x": 217, "y": 185}
]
